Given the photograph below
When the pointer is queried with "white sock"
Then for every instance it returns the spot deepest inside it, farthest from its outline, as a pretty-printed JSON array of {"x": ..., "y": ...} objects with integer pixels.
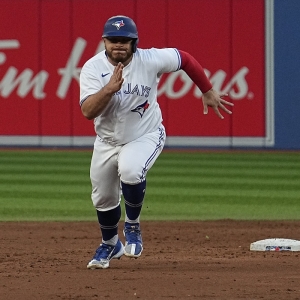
[{"x": 112, "y": 242}]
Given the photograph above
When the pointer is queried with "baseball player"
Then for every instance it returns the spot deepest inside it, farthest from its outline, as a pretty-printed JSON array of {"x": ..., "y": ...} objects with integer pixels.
[{"x": 118, "y": 90}]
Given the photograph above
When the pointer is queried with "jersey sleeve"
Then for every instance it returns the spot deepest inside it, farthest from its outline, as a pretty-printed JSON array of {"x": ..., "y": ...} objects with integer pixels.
[
  {"x": 195, "y": 71},
  {"x": 89, "y": 82},
  {"x": 167, "y": 60}
]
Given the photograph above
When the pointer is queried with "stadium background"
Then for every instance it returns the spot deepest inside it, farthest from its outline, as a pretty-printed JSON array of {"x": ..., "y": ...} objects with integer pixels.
[
  {"x": 202, "y": 208},
  {"x": 44, "y": 45}
]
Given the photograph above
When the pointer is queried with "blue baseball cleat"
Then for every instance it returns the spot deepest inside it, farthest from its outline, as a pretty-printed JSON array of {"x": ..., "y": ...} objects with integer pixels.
[
  {"x": 134, "y": 243},
  {"x": 104, "y": 254}
]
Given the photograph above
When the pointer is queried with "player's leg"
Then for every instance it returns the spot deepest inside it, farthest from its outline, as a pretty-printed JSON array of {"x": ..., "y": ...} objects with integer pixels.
[
  {"x": 135, "y": 160},
  {"x": 106, "y": 196}
]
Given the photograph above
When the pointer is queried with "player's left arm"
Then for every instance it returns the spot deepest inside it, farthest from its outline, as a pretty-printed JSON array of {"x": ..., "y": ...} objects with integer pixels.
[{"x": 210, "y": 97}]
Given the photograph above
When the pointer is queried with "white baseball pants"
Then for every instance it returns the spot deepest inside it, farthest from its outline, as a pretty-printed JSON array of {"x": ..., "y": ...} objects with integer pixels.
[{"x": 128, "y": 163}]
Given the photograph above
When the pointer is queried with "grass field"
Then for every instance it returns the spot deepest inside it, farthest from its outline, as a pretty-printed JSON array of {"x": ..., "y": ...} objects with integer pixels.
[{"x": 55, "y": 186}]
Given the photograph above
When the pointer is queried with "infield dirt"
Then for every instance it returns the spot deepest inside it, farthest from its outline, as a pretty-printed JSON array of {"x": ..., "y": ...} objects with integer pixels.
[{"x": 181, "y": 260}]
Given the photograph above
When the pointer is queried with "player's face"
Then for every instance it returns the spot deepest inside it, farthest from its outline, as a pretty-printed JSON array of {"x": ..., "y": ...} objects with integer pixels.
[{"x": 118, "y": 49}]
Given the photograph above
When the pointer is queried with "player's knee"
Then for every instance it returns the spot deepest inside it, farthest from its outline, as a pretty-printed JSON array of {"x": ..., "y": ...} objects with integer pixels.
[
  {"x": 101, "y": 205},
  {"x": 132, "y": 174},
  {"x": 104, "y": 202}
]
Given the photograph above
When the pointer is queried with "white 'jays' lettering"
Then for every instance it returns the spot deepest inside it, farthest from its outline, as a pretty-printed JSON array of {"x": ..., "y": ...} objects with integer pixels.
[{"x": 138, "y": 90}]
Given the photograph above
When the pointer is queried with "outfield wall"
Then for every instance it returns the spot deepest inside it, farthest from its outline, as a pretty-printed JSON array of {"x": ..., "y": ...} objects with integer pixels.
[
  {"x": 287, "y": 74},
  {"x": 248, "y": 49}
]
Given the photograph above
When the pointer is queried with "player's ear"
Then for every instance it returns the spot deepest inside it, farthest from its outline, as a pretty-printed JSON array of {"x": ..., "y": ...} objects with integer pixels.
[
  {"x": 134, "y": 44},
  {"x": 104, "y": 40}
]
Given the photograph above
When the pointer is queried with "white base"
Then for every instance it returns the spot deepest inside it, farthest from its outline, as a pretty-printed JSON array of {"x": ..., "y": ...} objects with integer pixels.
[{"x": 276, "y": 244}]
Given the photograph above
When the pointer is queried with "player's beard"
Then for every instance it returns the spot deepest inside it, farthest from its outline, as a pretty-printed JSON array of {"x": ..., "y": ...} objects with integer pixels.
[{"x": 123, "y": 56}]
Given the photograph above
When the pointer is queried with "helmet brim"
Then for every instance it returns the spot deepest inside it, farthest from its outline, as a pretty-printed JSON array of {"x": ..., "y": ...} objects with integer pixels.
[{"x": 120, "y": 33}]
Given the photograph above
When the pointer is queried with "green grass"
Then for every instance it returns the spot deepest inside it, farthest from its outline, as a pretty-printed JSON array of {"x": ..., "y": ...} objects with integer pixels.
[{"x": 54, "y": 185}]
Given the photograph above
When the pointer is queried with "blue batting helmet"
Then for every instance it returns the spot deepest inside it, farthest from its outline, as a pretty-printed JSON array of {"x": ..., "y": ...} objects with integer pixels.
[{"x": 121, "y": 26}]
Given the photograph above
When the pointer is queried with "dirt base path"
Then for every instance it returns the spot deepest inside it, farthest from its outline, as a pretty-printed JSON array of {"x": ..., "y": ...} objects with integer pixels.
[{"x": 181, "y": 260}]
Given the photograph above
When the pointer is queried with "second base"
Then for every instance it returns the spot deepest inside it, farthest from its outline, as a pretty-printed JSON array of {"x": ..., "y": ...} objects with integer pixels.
[{"x": 276, "y": 244}]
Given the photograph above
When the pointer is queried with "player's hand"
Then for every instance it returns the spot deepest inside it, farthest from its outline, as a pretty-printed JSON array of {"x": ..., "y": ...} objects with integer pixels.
[
  {"x": 116, "y": 80},
  {"x": 216, "y": 101}
]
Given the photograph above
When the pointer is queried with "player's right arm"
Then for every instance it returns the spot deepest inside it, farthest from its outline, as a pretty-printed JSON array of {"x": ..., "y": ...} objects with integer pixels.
[{"x": 94, "y": 104}]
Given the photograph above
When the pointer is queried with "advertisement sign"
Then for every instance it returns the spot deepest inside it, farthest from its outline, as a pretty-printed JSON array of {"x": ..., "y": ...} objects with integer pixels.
[{"x": 44, "y": 47}]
